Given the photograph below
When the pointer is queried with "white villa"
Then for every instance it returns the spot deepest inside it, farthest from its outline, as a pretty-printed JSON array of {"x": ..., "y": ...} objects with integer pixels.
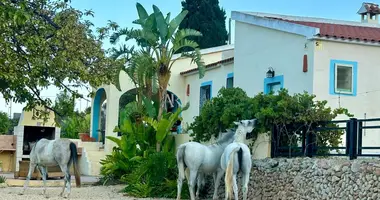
[{"x": 334, "y": 59}]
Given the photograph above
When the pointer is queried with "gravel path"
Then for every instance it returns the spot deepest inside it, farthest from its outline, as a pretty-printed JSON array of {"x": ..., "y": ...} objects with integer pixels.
[{"x": 85, "y": 192}]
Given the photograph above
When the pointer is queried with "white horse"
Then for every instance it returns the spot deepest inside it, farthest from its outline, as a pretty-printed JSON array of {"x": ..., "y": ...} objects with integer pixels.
[
  {"x": 237, "y": 158},
  {"x": 200, "y": 160},
  {"x": 60, "y": 152}
]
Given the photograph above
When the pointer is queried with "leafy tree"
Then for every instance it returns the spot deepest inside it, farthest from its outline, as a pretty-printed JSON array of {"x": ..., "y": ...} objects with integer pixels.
[
  {"x": 208, "y": 18},
  {"x": 289, "y": 113},
  {"x": 64, "y": 104},
  {"x": 218, "y": 114},
  {"x": 5, "y": 123},
  {"x": 159, "y": 39},
  {"x": 48, "y": 43}
]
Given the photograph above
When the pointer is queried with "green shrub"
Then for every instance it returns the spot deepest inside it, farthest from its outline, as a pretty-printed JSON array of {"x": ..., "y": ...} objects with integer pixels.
[
  {"x": 3, "y": 179},
  {"x": 155, "y": 176},
  {"x": 218, "y": 114},
  {"x": 289, "y": 113},
  {"x": 75, "y": 124}
]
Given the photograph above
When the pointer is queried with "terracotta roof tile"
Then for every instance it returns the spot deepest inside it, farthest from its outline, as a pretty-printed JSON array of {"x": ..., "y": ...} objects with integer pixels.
[
  {"x": 209, "y": 65},
  {"x": 342, "y": 31}
]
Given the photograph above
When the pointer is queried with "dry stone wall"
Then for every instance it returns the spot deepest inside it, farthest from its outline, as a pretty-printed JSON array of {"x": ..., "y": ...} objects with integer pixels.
[{"x": 312, "y": 178}]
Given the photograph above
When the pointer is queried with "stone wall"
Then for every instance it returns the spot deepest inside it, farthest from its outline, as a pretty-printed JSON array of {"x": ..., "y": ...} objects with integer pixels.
[{"x": 317, "y": 178}]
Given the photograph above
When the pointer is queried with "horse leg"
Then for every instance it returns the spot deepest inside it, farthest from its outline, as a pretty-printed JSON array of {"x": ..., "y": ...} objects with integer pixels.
[
  {"x": 32, "y": 166},
  {"x": 192, "y": 180},
  {"x": 245, "y": 180},
  {"x": 199, "y": 184},
  {"x": 236, "y": 194},
  {"x": 44, "y": 177},
  {"x": 219, "y": 175},
  {"x": 67, "y": 181}
]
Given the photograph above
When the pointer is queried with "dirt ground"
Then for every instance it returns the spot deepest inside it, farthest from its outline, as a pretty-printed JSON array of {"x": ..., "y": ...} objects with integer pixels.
[{"x": 85, "y": 192}]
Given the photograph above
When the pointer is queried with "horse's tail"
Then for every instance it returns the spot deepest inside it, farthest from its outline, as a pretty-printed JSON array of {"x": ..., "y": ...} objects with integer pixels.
[
  {"x": 74, "y": 159},
  {"x": 229, "y": 172},
  {"x": 180, "y": 161}
]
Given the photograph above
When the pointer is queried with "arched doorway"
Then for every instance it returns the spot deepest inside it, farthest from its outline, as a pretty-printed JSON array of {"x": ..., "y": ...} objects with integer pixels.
[
  {"x": 172, "y": 104},
  {"x": 99, "y": 115},
  {"x": 126, "y": 98}
]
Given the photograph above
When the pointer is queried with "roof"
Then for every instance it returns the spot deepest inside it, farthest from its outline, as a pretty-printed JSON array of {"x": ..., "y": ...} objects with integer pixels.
[
  {"x": 369, "y": 8},
  {"x": 224, "y": 61},
  {"x": 342, "y": 31},
  {"x": 335, "y": 29},
  {"x": 226, "y": 47}
]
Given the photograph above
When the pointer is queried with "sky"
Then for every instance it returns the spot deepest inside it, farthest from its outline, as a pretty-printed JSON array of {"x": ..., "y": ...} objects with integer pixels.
[{"x": 124, "y": 12}]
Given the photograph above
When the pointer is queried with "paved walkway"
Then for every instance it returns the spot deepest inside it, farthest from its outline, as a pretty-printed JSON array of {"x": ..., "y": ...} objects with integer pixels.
[{"x": 53, "y": 182}]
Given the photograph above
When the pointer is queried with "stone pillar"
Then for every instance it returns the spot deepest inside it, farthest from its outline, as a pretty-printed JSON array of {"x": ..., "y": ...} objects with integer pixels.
[{"x": 19, "y": 132}]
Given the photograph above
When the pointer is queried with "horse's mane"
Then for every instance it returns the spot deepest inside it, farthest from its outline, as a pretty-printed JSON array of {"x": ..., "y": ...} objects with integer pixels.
[{"x": 226, "y": 136}]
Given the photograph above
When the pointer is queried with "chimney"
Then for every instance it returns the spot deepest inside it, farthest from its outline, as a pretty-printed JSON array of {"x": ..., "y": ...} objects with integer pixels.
[{"x": 369, "y": 13}]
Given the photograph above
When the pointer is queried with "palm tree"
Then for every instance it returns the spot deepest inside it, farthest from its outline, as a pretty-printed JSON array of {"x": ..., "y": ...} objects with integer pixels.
[{"x": 159, "y": 40}]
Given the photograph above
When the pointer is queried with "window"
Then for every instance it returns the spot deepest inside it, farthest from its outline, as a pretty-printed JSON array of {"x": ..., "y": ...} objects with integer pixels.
[
  {"x": 273, "y": 84},
  {"x": 205, "y": 93},
  {"x": 230, "y": 82},
  {"x": 343, "y": 79},
  {"x": 275, "y": 87}
]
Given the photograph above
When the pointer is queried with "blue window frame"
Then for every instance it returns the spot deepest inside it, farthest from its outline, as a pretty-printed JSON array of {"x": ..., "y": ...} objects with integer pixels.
[
  {"x": 273, "y": 84},
  {"x": 343, "y": 77},
  {"x": 230, "y": 80},
  {"x": 205, "y": 93}
]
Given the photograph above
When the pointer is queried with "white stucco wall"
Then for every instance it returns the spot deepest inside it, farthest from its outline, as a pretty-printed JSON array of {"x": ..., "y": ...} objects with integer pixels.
[
  {"x": 177, "y": 83},
  {"x": 366, "y": 102},
  {"x": 218, "y": 76},
  {"x": 258, "y": 48}
]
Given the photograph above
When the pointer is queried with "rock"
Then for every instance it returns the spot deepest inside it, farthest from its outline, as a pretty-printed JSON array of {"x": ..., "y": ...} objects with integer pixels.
[
  {"x": 312, "y": 178},
  {"x": 335, "y": 179},
  {"x": 355, "y": 167},
  {"x": 376, "y": 171}
]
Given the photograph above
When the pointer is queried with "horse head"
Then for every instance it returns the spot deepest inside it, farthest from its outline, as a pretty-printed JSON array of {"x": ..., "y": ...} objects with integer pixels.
[
  {"x": 31, "y": 145},
  {"x": 244, "y": 127},
  {"x": 226, "y": 138}
]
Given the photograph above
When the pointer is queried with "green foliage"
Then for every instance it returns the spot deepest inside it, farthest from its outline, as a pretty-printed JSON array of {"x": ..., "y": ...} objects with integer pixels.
[
  {"x": 3, "y": 179},
  {"x": 292, "y": 113},
  {"x": 207, "y": 17},
  {"x": 155, "y": 176},
  {"x": 75, "y": 124},
  {"x": 134, "y": 160},
  {"x": 137, "y": 141},
  {"x": 48, "y": 43},
  {"x": 289, "y": 113},
  {"x": 163, "y": 126},
  {"x": 64, "y": 104},
  {"x": 158, "y": 39},
  {"x": 218, "y": 114},
  {"x": 5, "y": 123}
]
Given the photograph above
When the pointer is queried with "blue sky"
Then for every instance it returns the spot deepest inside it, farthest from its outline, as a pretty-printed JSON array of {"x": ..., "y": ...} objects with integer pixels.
[{"x": 124, "y": 12}]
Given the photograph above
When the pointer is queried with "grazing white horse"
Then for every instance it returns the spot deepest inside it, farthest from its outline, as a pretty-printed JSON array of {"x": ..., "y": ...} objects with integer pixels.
[
  {"x": 60, "y": 152},
  {"x": 200, "y": 160},
  {"x": 237, "y": 158}
]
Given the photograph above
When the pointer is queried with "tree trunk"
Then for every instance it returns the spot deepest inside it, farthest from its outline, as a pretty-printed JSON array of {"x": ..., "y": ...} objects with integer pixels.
[{"x": 162, "y": 91}]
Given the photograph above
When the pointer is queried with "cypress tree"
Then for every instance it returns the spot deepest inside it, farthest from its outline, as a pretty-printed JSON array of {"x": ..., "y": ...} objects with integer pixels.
[{"x": 207, "y": 17}]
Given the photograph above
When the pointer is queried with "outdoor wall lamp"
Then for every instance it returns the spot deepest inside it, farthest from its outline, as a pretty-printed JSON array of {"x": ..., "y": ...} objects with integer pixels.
[{"x": 270, "y": 73}]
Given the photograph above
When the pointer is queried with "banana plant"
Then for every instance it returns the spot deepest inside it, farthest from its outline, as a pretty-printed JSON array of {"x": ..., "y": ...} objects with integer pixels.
[
  {"x": 159, "y": 38},
  {"x": 164, "y": 125}
]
